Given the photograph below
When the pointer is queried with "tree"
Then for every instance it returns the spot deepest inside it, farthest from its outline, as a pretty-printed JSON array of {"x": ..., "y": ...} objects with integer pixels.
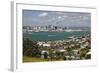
[
  {"x": 45, "y": 55},
  {"x": 88, "y": 56},
  {"x": 51, "y": 54},
  {"x": 64, "y": 58},
  {"x": 83, "y": 53},
  {"x": 70, "y": 52},
  {"x": 30, "y": 48}
]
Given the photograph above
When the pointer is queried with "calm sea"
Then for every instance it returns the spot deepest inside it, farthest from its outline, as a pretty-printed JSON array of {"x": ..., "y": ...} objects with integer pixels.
[{"x": 49, "y": 36}]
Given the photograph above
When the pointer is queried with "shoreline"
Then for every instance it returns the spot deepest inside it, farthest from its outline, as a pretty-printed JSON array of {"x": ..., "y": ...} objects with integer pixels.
[{"x": 70, "y": 30}]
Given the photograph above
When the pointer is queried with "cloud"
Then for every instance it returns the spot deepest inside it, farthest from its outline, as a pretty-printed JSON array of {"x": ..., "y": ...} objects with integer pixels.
[
  {"x": 65, "y": 16},
  {"x": 43, "y": 14},
  {"x": 85, "y": 18},
  {"x": 61, "y": 13},
  {"x": 59, "y": 17}
]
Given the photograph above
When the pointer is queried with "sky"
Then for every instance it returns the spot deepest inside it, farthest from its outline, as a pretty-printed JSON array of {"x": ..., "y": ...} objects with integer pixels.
[{"x": 56, "y": 18}]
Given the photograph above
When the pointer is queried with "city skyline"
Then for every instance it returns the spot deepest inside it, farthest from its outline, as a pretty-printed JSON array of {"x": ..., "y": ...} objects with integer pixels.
[{"x": 56, "y": 18}]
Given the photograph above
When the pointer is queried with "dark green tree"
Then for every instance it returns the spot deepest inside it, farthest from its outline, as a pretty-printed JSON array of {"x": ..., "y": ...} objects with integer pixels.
[{"x": 30, "y": 48}]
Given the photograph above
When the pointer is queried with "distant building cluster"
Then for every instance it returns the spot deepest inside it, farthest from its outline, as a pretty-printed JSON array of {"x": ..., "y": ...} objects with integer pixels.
[{"x": 52, "y": 28}]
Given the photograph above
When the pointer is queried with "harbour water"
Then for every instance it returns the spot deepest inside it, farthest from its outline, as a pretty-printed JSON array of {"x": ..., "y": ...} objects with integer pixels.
[{"x": 50, "y": 36}]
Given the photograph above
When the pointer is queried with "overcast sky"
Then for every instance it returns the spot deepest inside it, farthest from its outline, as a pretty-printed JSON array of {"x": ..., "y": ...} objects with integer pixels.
[{"x": 44, "y": 18}]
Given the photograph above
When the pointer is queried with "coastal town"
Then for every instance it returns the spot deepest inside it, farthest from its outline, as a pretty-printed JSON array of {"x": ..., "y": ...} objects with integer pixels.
[{"x": 71, "y": 48}]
